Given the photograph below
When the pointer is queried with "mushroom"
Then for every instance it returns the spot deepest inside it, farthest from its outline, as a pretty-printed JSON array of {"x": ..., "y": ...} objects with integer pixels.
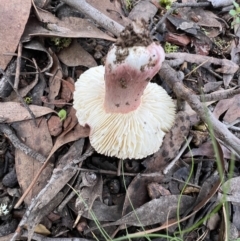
[{"x": 128, "y": 116}]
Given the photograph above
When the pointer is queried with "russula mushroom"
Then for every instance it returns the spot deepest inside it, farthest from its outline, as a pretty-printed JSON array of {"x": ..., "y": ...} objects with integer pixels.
[{"x": 128, "y": 116}]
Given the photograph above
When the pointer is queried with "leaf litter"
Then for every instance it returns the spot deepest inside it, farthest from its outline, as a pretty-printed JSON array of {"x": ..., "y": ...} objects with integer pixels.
[{"x": 57, "y": 48}]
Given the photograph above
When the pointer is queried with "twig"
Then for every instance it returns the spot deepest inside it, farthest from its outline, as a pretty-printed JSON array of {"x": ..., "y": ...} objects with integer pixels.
[
  {"x": 103, "y": 20},
  {"x": 71, "y": 195},
  {"x": 100, "y": 171},
  {"x": 84, "y": 156},
  {"x": 39, "y": 237},
  {"x": 19, "y": 57},
  {"x": 220, "y": 130},
  {"x": 228, "y": 67},
  {"x": 219, "y": 95},
  {"x": 188, "y": 184},
  {"x": 172, "y": 163},
  {"x": 4, "y": 128},
  {"x": 119, "y": 167},
  {"x": 196, "y": 68}
]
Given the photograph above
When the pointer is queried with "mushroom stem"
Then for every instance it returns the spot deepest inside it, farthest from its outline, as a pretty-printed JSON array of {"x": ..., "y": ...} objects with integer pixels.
[{"x": 127, "y": 73}]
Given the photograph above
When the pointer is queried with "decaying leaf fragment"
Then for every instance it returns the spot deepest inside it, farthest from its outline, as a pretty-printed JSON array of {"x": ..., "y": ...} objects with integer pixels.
[
  {"x": 75, "y": 55},
  {"x": 156, "y": 211},
  {"x": 39, "y": 140},
  {"x": 90, "y": 190},
  {"x": 13, "y": 111},
  {"x": 13, "y": 17},
  {"x": 230, "y": 190},
  {"x": 67, "y": 28},
  {"x": 230, "y": 106}
]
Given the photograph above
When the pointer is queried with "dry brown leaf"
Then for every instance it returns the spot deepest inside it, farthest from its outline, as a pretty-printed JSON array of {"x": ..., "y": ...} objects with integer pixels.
[
  {"x": 68, "y": 28},
  {"x": 41, "y": 3},
  {"x": 230, "y": 106},
  {"x": 212, "y": 86},
  {"x": 75, "y": 55},
  {"x": 207, "y": 150},
  {"x": 54, "y": 80},
  {"x": 70, "y": 83},
  {"x": 13, "y": 18},
  {"x": 41, "y": 229},
  {"x": 205, "y": 18},
  {"x": 104, "y": 212},
  {"x": 73, "y": 132},
  {"x": 156, "y": 211},
  {"x": 178, "y": 39},
  {"x": 231, "y": 190},
  {"x": 38, "y": 46},
  {"x": 208, "y": 192},
  {"x": 156, "y": 190},
  {"x": 139, "y": 186},
  {"x": 13, "y": 111},
  {"x": 67, "y": 89},
  {"x": 39, "y": 139},
  {"x": 112, "y": 9},
  {"x": 54, "y": 125}
]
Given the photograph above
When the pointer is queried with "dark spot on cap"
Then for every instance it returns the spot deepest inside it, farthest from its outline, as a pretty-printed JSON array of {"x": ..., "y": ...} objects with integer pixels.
[
  {"x": 142, "y": 68},
  {"x": 127, "y": 103},
  {"x": 123, "y": 83},
  {"x": 148, "y": 79},
  {"x": 171, "y": 144},
  {"x": 182, "y": 118},
  {"x": 117, "y": 105},
  {"x": 110, "y": 67}
]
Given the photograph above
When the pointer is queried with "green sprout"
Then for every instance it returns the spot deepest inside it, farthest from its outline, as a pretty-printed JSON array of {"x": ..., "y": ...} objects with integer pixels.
[
  {"x": 166, "y": 3},
  {"x": 62, "y": 114},
  {"x": 205, "y": 31},
  {"x": 61, "y": 43},
  {"x": 128, "y": 4},
  {"x": 235, "y": 13},
  {"x": 170, "y": 48},
  {"x": 28, "y": 100}
]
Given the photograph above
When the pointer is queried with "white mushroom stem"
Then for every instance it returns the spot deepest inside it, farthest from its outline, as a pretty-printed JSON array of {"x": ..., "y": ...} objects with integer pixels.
[{"x": 127, "y": 73}]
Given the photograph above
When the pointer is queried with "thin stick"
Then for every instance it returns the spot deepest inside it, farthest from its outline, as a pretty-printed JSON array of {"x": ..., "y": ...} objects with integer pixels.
[
  {"x": 19, "y": 57},
  {"x": 103, "y": 20},
  {"x": 4, "y": 128},
  {"x": 219, "y": 95},
  {"x": 172, "y": 163}
]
